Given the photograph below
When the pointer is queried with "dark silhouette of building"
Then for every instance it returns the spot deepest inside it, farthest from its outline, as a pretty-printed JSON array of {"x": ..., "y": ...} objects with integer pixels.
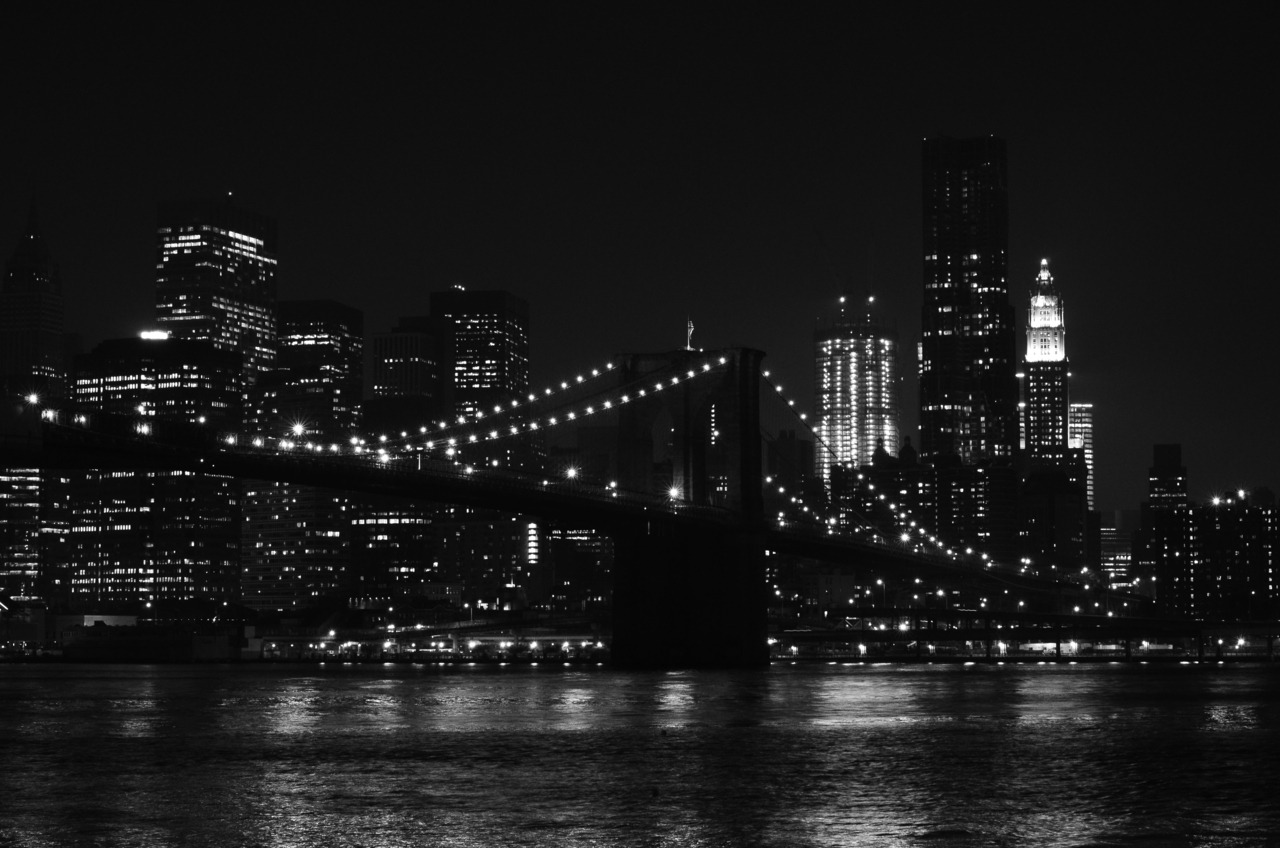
[
  {"x": 1232, "y": 574},
  {"x": 32, "y": 372},
  {"x": 968, "y": 392},
  {"x": 216, "y": 279},
  {"x": 968, "y": 387},
  {"x": 1165, "y": 538},
  {"x": 32, "y": 343},
  {"x": 411, "y": 387}
]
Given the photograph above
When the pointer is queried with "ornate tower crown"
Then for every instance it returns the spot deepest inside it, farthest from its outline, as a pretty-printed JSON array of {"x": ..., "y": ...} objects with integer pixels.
[{"x": 1046, "y": 332}]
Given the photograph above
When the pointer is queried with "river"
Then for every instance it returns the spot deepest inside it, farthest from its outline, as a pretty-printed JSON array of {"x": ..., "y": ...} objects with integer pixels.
[{"x": 792, "y": 755}]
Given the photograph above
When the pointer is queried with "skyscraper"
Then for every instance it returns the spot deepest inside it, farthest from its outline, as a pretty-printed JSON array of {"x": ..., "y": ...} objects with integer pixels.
[
  {"x": 1162, "y": 549},
  {"x": 487, "y": 343},
  {"x": 1047, "y": 400},
  {"x": 1080, "y": 437},
  {"x": 141, "y": 535},
  {"x": 32, "y": 344},
  {"x": 856, "y": 376},
  {"x": 295, "y": 539},
  {"x": 32, "y": 364},
  {"x": 318, "y": 382},
  {"x": 216, "y": 279},
  {"x": 968, "y": 392}
]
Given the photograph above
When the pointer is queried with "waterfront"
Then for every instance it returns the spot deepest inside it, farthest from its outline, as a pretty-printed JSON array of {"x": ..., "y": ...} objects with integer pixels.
[{"x": 794, "y": 755}]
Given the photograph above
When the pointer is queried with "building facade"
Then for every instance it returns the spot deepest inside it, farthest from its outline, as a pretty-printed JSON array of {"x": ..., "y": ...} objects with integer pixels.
[
  {"x": 1047, "y": 400},
  {"x": 138, "y": 536},
  {"x": 296, "y": 539},
  {"x": 486, "y": 347},
  {"x": 32, "y": 342},
  {"x": 216, "y": 279},
  {"x": 968, "y": 391},
  {"x": 856, "y": 389}
]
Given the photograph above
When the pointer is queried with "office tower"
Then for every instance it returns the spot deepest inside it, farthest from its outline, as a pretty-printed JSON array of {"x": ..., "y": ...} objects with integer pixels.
[
  {"x": 1233, "y": 567},
  {"x": 968, "y": 391},
  {"x": 1047, "y": 402},
  {"x": 143, "y": 536},
  {"x": 407, "y": 359},
  {"x": 31, "y": 314},
  {"x": 32, "y": 367},
  {"x": 161, "y": 378},
  {"x": 1116, "y": 539},
  {"x": 486, "y": 346},
  {"x": 1080, "y": 438},
  {"x": 1165, "y": 538},
  {"x": 410, "y": 388},
  {"x": 968, "y": 387},
  {"x": 317, "y": 386},
  {"x": 856, "y": 378},
  {"x": 216, "y": 279},
  {"x": 20, "y": 494},
  {"x": 295, "y": 540}
]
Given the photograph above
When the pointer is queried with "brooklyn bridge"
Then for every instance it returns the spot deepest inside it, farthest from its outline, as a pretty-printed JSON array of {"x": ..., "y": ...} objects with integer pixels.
[{"x": 692, "y": 547}]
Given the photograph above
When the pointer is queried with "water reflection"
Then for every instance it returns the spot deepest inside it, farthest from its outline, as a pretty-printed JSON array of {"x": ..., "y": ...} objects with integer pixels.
[{"x": 795, "y": 756}]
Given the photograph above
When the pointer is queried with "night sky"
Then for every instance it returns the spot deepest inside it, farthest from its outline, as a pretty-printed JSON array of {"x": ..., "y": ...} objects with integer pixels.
[{"x": 742, "y": 169}]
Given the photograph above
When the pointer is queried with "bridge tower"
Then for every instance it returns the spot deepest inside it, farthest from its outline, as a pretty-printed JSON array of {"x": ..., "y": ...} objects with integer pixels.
[{"x": 684, "y": 597}]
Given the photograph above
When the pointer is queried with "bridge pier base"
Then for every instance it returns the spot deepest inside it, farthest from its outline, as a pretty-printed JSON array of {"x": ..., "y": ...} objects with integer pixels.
[{"x": 685, "y": 599}]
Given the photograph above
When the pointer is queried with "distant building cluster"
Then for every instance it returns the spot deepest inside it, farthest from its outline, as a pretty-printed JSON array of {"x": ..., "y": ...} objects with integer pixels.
[
  {"x": 1005, "y": 462},
  {"x": 224, "y": 352},
  {"x": 1002, "y": 467}
]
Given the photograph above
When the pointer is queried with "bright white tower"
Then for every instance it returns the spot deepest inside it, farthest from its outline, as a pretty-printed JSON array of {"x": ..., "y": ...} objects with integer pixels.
[{"x": 856, "y": 378}]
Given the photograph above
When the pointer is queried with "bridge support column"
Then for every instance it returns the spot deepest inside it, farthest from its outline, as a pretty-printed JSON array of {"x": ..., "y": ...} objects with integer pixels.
[{"x": 689, "y": 599}]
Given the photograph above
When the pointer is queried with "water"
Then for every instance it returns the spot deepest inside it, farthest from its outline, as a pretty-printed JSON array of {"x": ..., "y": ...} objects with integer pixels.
[{"x": 549, "y": 756}]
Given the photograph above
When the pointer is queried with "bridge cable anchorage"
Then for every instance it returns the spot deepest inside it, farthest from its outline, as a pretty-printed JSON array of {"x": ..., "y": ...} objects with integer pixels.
[{"x": 909, "y": 527}]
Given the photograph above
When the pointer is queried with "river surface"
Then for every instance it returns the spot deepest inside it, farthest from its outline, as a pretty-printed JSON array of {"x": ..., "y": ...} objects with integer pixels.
[{"x": 794, "y": 755}]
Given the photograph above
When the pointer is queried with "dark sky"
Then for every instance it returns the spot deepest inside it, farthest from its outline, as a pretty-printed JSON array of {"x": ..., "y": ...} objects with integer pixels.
[{"x": 622, "y": 172}]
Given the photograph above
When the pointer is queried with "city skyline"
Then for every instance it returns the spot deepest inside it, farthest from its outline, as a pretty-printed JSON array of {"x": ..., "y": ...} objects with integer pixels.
[{"x": 741, "y": 173}]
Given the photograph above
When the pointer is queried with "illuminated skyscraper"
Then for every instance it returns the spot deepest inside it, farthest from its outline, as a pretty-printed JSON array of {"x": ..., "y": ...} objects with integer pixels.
[
  {"x": 140, "y": 535},
  {"x": 1080, "y": 437},
  {"x": 318, "y": 382},
  {"x": 216, "y": 279},
  {"x": 1047, "y": 401},
  {"x": 856, "y": 378},
  {"x": 487, "y": 343},
  {"x": 968, "y": 392}
]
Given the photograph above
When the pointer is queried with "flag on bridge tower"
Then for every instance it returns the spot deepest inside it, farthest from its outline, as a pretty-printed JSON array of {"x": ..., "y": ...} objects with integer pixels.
[{"x": 688, "y": 338}]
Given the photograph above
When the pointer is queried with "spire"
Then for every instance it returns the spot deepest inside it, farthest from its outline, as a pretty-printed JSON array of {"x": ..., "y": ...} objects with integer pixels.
[{"x": 1044, "y": 280}]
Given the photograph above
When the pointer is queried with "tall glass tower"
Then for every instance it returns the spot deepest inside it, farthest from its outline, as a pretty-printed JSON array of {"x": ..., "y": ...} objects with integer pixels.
[
  {"x": 856, "y": 377},
  {"x": 216, "y": 279},
  {"x": 968, "y": 391}
]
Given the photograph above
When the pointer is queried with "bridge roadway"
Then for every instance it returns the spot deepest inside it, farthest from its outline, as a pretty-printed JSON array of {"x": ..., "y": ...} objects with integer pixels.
[{"x": 699, "y": 569}]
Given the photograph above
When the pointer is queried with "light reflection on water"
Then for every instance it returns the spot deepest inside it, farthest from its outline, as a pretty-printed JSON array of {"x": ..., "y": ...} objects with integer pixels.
[{"x": 551, "y": 756}]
